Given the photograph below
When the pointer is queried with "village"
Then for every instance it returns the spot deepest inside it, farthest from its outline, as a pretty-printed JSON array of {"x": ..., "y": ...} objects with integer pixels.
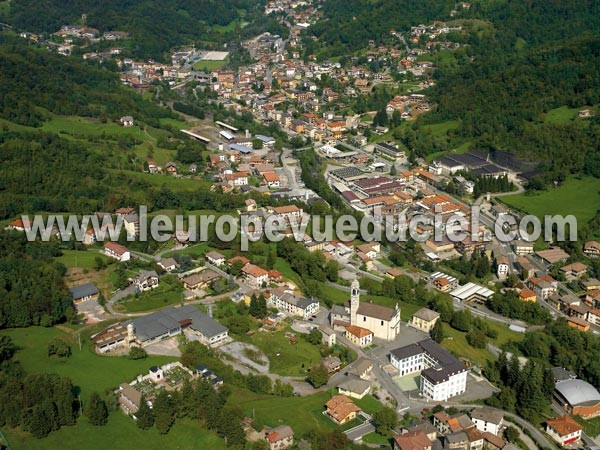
[{"x": 189, "y": 291}]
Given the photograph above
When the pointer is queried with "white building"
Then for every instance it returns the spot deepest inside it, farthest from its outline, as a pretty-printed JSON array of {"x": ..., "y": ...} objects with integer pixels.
[
  {"x": 117, "y": 251},
  {"x": 294, "y": 305},
  {"x": 442, "y": 375},
  {"x": 564, "y": 430},
  {"x": 488, "y": 420}
]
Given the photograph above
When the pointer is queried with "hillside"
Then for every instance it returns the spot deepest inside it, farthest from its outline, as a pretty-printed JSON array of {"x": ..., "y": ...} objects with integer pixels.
[{"x": 155, "y": 26}]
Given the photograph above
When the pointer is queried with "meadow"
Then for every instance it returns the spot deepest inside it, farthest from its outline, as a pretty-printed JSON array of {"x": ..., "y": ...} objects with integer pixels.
[{"x": 579, "y": 196}]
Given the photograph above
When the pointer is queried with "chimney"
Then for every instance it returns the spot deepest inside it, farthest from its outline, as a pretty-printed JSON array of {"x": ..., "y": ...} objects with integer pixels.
[{"x": 247, "y": 134}]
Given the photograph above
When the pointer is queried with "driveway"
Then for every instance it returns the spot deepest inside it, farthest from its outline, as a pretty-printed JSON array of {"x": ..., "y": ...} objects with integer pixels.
[{"x": 167, "y": 347}]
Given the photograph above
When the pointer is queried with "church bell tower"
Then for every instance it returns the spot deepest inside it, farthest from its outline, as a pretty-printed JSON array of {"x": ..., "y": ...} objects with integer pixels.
[{"x": 354, "y": 301}]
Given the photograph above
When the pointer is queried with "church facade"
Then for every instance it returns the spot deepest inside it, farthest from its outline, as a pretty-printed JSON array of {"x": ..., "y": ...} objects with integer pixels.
[{"x": 382, "y": 321}]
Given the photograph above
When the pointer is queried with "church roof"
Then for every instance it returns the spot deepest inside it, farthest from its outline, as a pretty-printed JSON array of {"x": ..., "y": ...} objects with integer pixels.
[{"x": 376, "y": 311}]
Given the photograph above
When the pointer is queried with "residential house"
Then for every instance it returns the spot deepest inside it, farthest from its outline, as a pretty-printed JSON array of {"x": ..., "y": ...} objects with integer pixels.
[
  {"x": 215, "y": 258},
  {"x": 354, "y": 387},
  {"x": 502, "y": 267},
  {"x": 415, "y": 440},
  {"x": 361, "y": 368},
  {"x": 202, "y": 280},
  {"x": 527, "y": 295},
  {"x": 341, "y": 409},
  {"x": 171, "y": 168},
  {"x": 84, "y": 292},
  {"x": 591, "y": 284},
  {"x": 127, "y": 121},
  {"x": 237, "y": 179},
  {"x": 146, "y": 280},
  {"x": 591, "y": 249},
  {"x": 580, "y": 324},
  {"x": 286, "y": 301},
  {"x": 543, "y": 286},
  {"x": 272, "y": 180},
  {"x": 280, "y": 437},
  {"x": 359, "y": 336},
  {"x": 255, "y": 276},
  {"x": 331, "y": 363},
  {"x": 522, "y": 248},
  {"x": 574, "y": 270},
  {"x": 168, "y": 264},
  {"x": 564, "y": 430},
  {"x": 329, "y": 336},
  {"x": 242, "y": 259},
  {"x": 116, "y": 251},
  {"x": 488, "y": 420},
  {"x": 424, "y": 319}
]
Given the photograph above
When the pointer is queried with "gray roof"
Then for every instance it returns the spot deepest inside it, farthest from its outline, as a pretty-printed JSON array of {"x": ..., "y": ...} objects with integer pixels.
[
  {"x": 159, "y": 323},
  {"x": 488, "y": 415},
  {"x": 338, "y": 310},
  {"x": 459, "y": 436},
  {"x": 360, "y": 366},
  {"x": 83, "y": 290},
  {"x": 562, "y": 374},
  {"x": 578, "y": 392},
  {"x": 355, "y": 385},
  {"x": 299, "y": 302},
  {"x": 447, "y": 364},
  {"x": 426, "y": 314}
]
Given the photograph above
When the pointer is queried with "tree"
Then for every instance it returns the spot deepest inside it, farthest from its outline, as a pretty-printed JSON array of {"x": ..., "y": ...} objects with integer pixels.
[
  {"x": 7, "y": 348},
  {"x": 96, "y": 410},
  {"x": 258, "y": 306},
  {"x": 437, "y": 332},
  {"x": 58, "y": 347},
  {"x": 314, "y": 337},
  {"x": 144, "y": 415},
  {"x": 271, "y": 258},
  {"x": 257, "y": 144},
  {"x": 386, "y": 420},
  {"x": 137, "y": 353},
  {"x": 462, "y": 320},
  {"x": 318, "y": 376},
  {"x": 332, "y": 270},
  {"x": 164, "y": 412},
  {"x": 476, "y": 338},
  {"x": 99, "y": 263},
  {"x": 511, "y": 434}
]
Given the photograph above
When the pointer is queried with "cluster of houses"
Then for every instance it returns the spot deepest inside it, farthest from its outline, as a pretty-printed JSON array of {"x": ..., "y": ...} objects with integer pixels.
[{"x": 169, "y": 377}]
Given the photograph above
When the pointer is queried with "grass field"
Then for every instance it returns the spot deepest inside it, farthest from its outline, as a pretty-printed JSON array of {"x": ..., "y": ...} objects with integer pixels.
[
  {"x": 577, "y": 196},
  {"x": 456, "y": 342},
  {"x": 302, "y": 413},
  {"x": 562, "y": 115},
  {"x": 208, "y": 66},
  {"x": 81, "y": 259},
  {"x": 121, "y": 433},
  {"x": 88, "y": 370},
  {"x": 286, "y": 359},
  {"x": 160, "y": 297}
]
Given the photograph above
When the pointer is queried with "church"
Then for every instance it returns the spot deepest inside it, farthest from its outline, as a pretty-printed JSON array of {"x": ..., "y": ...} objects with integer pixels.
[{"x": 382, "y": 321}]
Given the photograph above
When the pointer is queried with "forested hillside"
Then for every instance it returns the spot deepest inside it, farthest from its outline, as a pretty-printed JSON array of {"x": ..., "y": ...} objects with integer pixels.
[
  {"x": 350, "y": 24},
  {"x": 154, "y": 25}
]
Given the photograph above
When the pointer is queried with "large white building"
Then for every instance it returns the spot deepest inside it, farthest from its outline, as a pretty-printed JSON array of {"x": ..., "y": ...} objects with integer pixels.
[
  {"x": 382, "y": 321},
  {"x": 442, "y": 375}
]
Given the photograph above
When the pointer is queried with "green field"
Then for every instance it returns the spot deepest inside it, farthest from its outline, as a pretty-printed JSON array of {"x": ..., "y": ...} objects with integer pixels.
[
  {"x": 301, "y": 413},
  {"x": 286, "y": 359},
  {"x": 209, "y": 66},
  {"x": 159, "y": 297},
  {"x": 456, "y": 342},
  {"x": 89, "y": 371},
  {"x": 120, "y": 433},
  {"x": 562, "y": 115},
  {"x": 81, "y": 259},
  {"x": 577, "y": 196}
]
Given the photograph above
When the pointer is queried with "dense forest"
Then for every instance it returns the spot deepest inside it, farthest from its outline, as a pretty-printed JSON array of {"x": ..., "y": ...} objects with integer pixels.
[
  {"x": 32, "y": 290},
  {"x": 349, "y": 25},
  {"x": 155, "y": 26},
  {"x": 31, "y": 78}
]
